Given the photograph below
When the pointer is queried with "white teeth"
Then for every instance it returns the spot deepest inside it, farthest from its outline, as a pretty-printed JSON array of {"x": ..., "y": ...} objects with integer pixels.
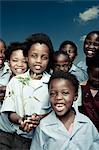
[
  {"x": 90, "y": 52},
  {"x": 37, "y": 67},
  {"x": 19, "y": 70},
  {"x": 60, "y": 107}
]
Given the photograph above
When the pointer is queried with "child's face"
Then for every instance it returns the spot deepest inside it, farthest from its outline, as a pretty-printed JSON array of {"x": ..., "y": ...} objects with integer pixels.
[
  {"x": 62, "y": 94},
  {"x": 17, "y": 62},
  {"x": 91, "y": 45},
  {"x": 38, "y": 57},
  {"x": 2, "y": 55},
  {"x": 70, "y": 51},
  {"x": 94, "y": 78},
  {"x": 61, "y": 63}
]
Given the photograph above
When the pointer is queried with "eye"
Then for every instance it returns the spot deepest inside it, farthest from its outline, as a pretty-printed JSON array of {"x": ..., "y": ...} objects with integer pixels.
[
  {"x": 65, "y": 93},
  {"x": 52, "y": 94},
  {"x": 34, "y": 55},
  {"x": 96, "y": 43},
  {"x": 14, "y": 60},
  {"x": 44, "y": 57}
]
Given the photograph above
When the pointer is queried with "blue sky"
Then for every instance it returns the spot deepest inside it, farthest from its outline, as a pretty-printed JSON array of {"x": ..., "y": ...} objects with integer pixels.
[{"x": 60, "y": 19}]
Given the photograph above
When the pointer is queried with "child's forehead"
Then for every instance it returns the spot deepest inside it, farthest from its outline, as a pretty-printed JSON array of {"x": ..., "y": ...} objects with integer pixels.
[
  {"x": 62, "y": 57},
  {"x": 59, "y": 81},
  {"x": 94, "y": 36}
]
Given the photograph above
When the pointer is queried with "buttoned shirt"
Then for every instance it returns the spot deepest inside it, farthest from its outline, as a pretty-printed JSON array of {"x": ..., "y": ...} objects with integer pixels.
[
  {"x": 26, "y": 97},
  {"x": 78, "y": 72},
  {"x": 51, "y": 134}
]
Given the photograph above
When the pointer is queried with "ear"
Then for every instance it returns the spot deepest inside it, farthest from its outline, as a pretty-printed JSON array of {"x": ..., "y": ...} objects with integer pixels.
[{"x": 76, "y": 96}]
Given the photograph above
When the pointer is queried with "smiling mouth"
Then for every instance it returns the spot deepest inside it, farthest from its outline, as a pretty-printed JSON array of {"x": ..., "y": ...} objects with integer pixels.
[
  {"x": 90, "y": 52},
  {"x": 59, "y": 107},
  {"x": 37, "y": 67},
  {"x": 19, "y": 70}
]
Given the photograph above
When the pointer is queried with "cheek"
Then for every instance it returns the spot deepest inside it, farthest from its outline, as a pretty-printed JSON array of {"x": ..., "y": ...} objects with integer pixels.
[{"x": 45, "y": 63}]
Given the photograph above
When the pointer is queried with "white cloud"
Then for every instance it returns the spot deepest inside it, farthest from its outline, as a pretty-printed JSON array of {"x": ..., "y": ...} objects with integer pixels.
[
  {"x": 90, "y": 14},
  {"x": 83, "y": 38}
]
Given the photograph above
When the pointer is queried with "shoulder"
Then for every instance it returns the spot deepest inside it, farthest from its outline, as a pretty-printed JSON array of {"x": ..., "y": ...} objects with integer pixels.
[
  {"x": 83, "y": 83},
  {"x": 83, "y": 118},
  {"x": 49, "y": 119},
  {"x": 20, "y": 78},
  {"x": 46, "y": 77}
]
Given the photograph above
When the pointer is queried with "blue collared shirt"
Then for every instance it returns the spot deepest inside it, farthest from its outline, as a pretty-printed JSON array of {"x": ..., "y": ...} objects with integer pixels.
[{"x": 51, "y": 134}]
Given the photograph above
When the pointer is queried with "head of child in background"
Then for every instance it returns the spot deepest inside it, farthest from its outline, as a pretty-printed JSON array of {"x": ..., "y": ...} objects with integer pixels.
[
  {"x": 2, "y": 52},
  {"x": 63, "y": 90},
  {"x": 39, "y": 53},
  {"x": 15, "y": 56},
  {"x": 61, "y": 61},
  {"x": 91, "y": 44},
  {"x": 70, "y": 48},
  {"x": 93, "y": 72}
]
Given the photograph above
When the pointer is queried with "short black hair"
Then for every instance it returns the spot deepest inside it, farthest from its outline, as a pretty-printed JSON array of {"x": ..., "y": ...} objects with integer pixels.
[
  {"x": 92, "y": 32},
  {"x": 41, "y": 38},
  {"x": 67, "y": 76},
  {"x": 62, "y": 45},
  {"x": 13, "y": 47},
  {"x": 57, "y": 53}
]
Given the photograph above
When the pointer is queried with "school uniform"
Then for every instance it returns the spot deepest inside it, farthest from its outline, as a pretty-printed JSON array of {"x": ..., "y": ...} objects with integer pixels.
[
  {"x": 82, "y": 65},
  {"x": 51, "y": 134},
  {"x": 26, "y": 97},
  {"x": 78, "y": 72},
  {"x": 5, "y": 74}
]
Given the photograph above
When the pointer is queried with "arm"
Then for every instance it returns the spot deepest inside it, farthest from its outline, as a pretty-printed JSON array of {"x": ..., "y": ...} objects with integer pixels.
[
  {"x": 2, "y": 92},
  {"x": 26, "y": 123}
]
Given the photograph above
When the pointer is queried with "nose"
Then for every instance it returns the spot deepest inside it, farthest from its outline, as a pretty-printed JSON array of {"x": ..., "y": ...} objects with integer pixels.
[
  {"x": 91, "y": 45},
  {"x": 19, "y": 63},
  {"x": 38, "y": 59},
  {"x": 58, "y": 96},
  {"x": 61, "y": 68}
]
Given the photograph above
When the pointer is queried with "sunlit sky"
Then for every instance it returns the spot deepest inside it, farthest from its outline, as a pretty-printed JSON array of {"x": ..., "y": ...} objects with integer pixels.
[{"x": 60, "y": 19}]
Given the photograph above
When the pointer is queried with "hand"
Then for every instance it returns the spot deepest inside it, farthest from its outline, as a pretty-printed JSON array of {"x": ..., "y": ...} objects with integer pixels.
[{"x": 29, "y": 122}]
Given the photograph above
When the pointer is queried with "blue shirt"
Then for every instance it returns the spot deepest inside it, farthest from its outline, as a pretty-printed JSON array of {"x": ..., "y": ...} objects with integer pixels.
[{"x": 51, "y": 134}]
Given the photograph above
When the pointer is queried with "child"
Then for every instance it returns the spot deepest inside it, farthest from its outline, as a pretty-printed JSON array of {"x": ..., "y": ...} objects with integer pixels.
[
  {"x": 18, "y": 65},
  {"x": 61, "y": 61},
  {"x": 90, "y": 92},
  {"x": 71, "y": 49},
  {"x": 4, "y": 71},
  {"x": 25, "y": 92},
  {"x": 91, "y": 48},
  {"x": 17, "y": 60},
  {"x": 63, "y": 128}
]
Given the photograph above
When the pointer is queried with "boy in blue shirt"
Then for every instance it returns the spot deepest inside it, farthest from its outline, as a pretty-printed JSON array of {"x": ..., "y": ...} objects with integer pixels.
[{"x": 64, "y": 128}]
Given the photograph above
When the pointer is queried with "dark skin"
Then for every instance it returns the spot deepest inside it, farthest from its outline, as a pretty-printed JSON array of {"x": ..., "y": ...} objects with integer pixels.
[
  {"x": 2, "y": 91},
  {"x": 91, "y": 45},
  {"x": 26, "y": 123}
]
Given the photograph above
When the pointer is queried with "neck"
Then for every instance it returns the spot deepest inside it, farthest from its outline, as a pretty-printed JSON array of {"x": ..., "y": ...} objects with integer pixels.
[
  {"x": 68, "y": 118},
  {"x": 36, "y": 76}
]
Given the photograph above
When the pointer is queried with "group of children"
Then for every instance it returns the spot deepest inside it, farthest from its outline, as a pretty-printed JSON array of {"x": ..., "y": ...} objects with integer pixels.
[{"x": 39, "y": 91}]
